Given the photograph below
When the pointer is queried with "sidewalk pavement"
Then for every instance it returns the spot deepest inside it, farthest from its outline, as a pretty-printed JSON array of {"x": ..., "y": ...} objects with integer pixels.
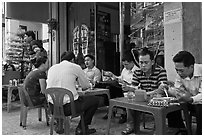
[{"x": 10, "y": 123}]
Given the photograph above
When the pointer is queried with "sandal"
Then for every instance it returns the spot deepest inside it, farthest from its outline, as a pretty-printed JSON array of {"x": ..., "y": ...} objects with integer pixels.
[{"x": 127, "y": 131}]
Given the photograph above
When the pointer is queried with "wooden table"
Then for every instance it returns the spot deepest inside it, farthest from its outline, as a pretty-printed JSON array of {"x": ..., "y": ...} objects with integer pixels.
[
  {"x": 95, "y": 91},
  {"x": 159, "y": 113},
  {"x": 9, "y": 94}
]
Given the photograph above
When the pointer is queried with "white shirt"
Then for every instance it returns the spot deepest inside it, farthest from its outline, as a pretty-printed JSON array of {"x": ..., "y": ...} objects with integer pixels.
[
  {"x": 192, "y": 85},
  {"x": 66, "y": 75},
  {"x": 93, "y": 74},
  {"x": 128, "y": 74}
]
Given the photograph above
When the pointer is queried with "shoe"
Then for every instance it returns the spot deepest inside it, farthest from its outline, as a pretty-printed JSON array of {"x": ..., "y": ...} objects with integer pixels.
[
  {"x": 127, "y": 131},
  {"x": 182, "y": 132},
  {"x": 59, "y": 131},
  {"x": 106, "y": 116},
  {"x": 123, "y": 119},
  {"x": 88, "y": 131},
  {"x": 78, "y": 131}
]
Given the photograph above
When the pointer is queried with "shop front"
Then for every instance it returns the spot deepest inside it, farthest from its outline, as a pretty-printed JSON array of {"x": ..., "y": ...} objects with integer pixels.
[{"x": 106, "y": 29}]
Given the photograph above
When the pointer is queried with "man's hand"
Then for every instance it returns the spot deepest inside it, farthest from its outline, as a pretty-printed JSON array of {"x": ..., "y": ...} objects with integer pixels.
[
  {"x": 125, "y": 87},
  {"x": 176, "y": 92},
  {"x": 185, "y": 98}
]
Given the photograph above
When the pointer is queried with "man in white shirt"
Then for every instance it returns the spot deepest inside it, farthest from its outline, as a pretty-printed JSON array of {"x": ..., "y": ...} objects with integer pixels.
[
  {"x": 66, "y": 75},
  {"x": 188, "y": 84},
  {"x": 125, "y": 77},
  {"x": 92, "y": 72}
]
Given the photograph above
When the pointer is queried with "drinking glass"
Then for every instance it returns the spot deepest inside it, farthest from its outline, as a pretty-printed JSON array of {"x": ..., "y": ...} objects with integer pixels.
[{"x": 130, "y": 95}]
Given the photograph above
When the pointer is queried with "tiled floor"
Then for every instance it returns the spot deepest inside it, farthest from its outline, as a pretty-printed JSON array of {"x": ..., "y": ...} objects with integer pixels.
[{"x": 10, "y": 123}]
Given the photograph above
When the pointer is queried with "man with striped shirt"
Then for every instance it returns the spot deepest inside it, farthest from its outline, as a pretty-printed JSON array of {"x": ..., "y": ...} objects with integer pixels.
[{"x": 150, "y": 78}]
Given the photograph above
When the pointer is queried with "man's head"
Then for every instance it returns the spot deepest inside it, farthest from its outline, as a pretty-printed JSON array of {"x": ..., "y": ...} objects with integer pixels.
[
  {"x": 68, "y": 55},
  {"x": 128, "y": 60},
  {"x": 89, "y": 61},
  {"x": 42, "y": 62},
  {"x": 184, "y": 63},
  {"x": 29, "y": 36},
  {"x": 37, "y": 45},
  {"x": 146, "y": 59}
]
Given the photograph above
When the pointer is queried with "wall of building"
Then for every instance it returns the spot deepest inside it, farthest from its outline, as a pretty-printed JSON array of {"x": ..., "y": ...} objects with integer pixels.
[
  {"x": 36, "y": 27},
  {"x": 182, "y": 31},
  {"x": 173, "y": 35},
  {"x": 192, "y": 29},
  {"x": 14, "y": 26},
  {"x": 29, "y": 11}
]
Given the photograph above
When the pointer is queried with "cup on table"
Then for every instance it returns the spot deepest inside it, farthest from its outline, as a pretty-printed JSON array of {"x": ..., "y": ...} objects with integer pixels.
[
  {"x": 130, "y": 95},
  {"x": 140, "y": 95}
]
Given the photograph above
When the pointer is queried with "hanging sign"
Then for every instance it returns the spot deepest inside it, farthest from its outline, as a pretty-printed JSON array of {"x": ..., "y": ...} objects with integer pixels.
[{"x": 173, "y": 16}]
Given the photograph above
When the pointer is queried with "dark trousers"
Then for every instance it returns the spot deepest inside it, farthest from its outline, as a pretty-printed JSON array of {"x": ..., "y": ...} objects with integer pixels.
[
  {"x": 115, "y": 90},
  {"x": 37, "y": 100},
  {"x": 175, "y": 120},
  {"x": 197, "y": 111},
  {"x": 86, "y": 104}
]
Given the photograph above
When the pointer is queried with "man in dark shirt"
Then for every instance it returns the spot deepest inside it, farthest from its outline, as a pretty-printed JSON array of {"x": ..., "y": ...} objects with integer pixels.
[{"x": 35, "y": 81}]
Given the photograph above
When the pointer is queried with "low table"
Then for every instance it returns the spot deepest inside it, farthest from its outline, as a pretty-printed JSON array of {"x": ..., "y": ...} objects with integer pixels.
[
  {"x": 159, "y": 113},
  {"x": 9, "y": 94}
]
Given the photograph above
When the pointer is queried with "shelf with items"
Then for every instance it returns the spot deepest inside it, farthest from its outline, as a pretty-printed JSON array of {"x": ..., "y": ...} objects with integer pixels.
[{"x": 17, "y": 53}]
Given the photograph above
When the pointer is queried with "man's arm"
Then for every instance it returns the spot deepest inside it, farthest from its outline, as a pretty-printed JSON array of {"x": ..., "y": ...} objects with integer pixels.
[
  {"x": 162, "y": 81},
  {"x": 197, "y": 99},
  {"x": 43, "y": 85},
  {"x": 97, "y": 76},
  {"x": 82, "y": 79},
  {"x": 184, "y": 95}
]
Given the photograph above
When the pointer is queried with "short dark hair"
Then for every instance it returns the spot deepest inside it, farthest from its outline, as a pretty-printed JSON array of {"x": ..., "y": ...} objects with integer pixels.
[
  {"x": 184, "y": 57},
  {"x": 90, "y": 56},
  {"x": 38, "y": 43},
  {"x": 145, "y": 51},
  {"x": 39, "y": 61},
  {"x": 30, "y": 33},
  {"x": 128, "y": 56},
  {"x": 67, "y": 55}
]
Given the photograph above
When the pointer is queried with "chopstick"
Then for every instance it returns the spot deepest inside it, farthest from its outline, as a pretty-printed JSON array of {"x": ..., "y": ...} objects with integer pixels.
[{"x": 165, "y": 91}]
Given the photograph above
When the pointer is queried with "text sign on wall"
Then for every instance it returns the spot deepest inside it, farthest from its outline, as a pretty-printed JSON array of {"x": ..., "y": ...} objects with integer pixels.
[{"x": 173, "y": 16}]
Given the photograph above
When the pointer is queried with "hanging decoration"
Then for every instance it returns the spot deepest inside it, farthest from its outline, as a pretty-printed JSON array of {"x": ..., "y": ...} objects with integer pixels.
[
  {"x": 80, "y": 40},
  {"x": 76, "y": 40},
  {"x": 52, "y": 24},
  {"x": 84, "y": 39}
]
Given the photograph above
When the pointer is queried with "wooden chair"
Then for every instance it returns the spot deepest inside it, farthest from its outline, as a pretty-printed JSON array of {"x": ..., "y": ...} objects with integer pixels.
[
  {"x": 24, "y": 97},
  {"x": 57, "y": 95}
]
